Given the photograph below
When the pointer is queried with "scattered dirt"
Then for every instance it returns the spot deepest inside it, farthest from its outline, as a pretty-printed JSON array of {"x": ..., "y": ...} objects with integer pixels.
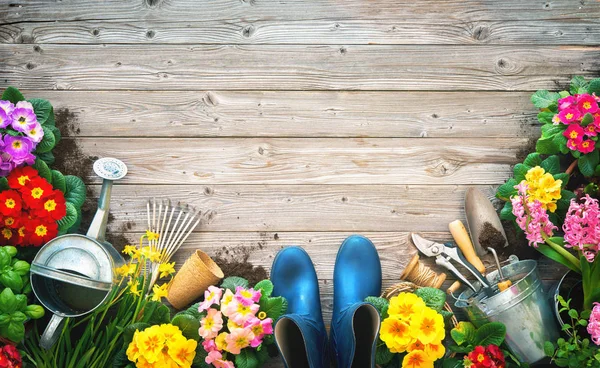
[
  {"x": 517, "y": 244},
  {"x": 67, "y": 122},
  {"x": 117, "y": 238},
  {"x": 234, "y": 262},
  {"x": 525, "y": 150},
  {"x": 490, "y": 237}
]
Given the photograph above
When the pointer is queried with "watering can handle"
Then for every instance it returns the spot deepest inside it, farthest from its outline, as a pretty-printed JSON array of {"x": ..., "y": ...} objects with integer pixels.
[
  {"x": 71, "y": 278},
  {"x": 52, "y": 332},
  {"x": 97, "y": 228}
]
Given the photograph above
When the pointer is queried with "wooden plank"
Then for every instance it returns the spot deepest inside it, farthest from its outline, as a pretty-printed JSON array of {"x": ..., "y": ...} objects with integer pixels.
[
  {"x": 300, "y": 207},
  {"x": 292, "y": 67},
  {"x": 574, "y": 31},
  {"x": 311, "y": 160},
  {"x": 293, "y": 114},
  {"x": 190, "y": 11}
]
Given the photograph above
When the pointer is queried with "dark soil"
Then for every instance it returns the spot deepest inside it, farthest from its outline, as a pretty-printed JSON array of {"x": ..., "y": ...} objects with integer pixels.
[
  {"x": 517, "y": 244},
  {"x": 234, "y": 262},
  {"x": 491, "y": 237},
  {"x": 525, "y": 150}
]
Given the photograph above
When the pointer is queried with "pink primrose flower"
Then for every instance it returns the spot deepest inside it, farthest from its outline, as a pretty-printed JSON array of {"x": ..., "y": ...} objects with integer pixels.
[
  {"x": 569, "y": 115},
  {"x": 211, "y": 296},
  {"x": 211, "y": 324},
  {"x": 586, "y": 146},
  {"x": 247, "y": 296},
  {"x": 587, "y": 104},
  {"x": 566, "y": 102},
  {"x": 238, "y": 339}
]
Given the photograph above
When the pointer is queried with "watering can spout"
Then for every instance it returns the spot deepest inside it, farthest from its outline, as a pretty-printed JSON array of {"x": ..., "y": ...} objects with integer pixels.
[{"x": 109, "y": 169}]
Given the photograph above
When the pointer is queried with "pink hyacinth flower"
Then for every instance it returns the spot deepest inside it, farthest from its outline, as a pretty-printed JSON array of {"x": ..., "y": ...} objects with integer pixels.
[
  {"x": 211, "y": 296},
  {"x": 582, "y": 227},
  {"x": 587, "y": 104},
  {"x": 211, "y": 324},
  {"x": 531, "y": 217},
  {"x": 566, "y": 102},
  {"x": 569, "y": 115},
  {"x": 247, "y": 296},
  {"x": 593, "y": 326}
]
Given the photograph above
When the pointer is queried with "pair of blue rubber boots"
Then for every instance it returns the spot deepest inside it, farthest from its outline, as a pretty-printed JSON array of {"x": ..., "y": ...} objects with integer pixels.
[{"x": 300, "y": 335}]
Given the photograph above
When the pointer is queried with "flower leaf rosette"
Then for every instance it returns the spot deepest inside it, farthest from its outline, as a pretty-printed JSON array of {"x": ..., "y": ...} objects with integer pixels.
[
  {"x": 236, "y": 323},
  {"x": 571, "y": 121},
  {"x": 28, "y": 132}
]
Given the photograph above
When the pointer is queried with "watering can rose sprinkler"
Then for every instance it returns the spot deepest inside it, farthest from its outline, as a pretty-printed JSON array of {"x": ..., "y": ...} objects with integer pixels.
[{"x": 72, "y": 275}]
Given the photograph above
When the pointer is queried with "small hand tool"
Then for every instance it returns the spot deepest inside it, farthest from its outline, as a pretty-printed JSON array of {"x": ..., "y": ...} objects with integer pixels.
[
  {"x": 444, "y": 253},
  {"x": 504, "y": 283},
  {"x": 462, "y": 239}
]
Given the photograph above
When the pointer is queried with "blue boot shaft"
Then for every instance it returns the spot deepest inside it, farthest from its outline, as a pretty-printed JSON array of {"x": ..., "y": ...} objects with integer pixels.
[
  {"x": 355, "y": 324},
  {"x": 300, "y": 334}
]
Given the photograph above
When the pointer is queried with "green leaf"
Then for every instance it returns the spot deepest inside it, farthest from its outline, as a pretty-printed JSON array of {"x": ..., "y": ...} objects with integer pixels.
[
  {"x": 21, "y": 268},
  {"x": 550, "y": 130},
  {"x": 564, "y": 177},
  {"x": 232, "y": 282},
  {"x": 546, "y": 146},
  {"x": 273, "y": 307},
  {"x": 545, "y": 117},
  {"x": 546, "y": 250},
  {"x": 560, "y": 141},
  {"x": 587, "y": 163},
  {"x": 246, "y": 359},
  {"x": 490, "y": 333},
  {"x": 594, "y": 87},
  {"x": 519, "y": 172},
  {"x": 120, "y": 360},
  {"x": 506, "y": 212},
  {"x": 48, "y": 141},
  {"x": 47, "y": 157},
  {"x": 43, "y": 170},
  {"x": 129, "y": 331},
  {"x": 434, "y": 298},
  {"x": 21, "y": 302},
  {"x": 42, "y": 109},
  {"x": 262, "y": 355},
  {"x": 578, "y": 85},
  {"x": 8, "y": 302},
  {"x": 75, "y": 190},
  {"x": 10, "y": 250},
  {"x": 56, "y": 132},
  {"x": 192, "y": 311},
  {"x": 13, "y": 95},
  {"x": 156, "y": 313},
  {"x": 381, "y": 304},
  {"x": 587, "y": 119},
  {"x": 14, "y": 331},
  {"x": 453, "y": 363},
  {"x": 34, "y": 311},
  {"x": 533, "y": 159},
  {"x": 12, "y": 280},
  {"x": 463, "y": 333},
  {"x": 507, "y": 190},
  {"x": 543, "y": 99},
  {"x": 265, "y": 287},
  {"x": 58, "y": 181},
  {"x": 4, "y": 184},
  {"x": 383, "y": 355},
  {"x": 69, "y": 220},
  {"x": 188, "y": 325},
  {"x": 551, "y": 164}
]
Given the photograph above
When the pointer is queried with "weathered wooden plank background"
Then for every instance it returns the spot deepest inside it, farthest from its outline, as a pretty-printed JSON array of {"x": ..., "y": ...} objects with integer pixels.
[{"x": 301, "y": 121}]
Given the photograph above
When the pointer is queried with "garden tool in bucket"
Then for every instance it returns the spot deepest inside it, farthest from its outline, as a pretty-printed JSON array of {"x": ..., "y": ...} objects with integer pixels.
[
  {"x": 72, "y": 274},
  {"x": 523, "y": 308}
]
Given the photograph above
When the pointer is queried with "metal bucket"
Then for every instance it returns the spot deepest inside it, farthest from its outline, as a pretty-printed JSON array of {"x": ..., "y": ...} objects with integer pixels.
[{"x": 523, "y": 308}]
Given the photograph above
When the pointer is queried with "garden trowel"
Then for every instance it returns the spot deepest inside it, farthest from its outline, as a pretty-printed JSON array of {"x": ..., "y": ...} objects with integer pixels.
[{"x": 479, "y": 211}]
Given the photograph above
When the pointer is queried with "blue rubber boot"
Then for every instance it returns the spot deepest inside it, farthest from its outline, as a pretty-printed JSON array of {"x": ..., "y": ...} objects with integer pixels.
[
  {"x": 300, "y": 334},
  {"x": 355, "y": 324}
]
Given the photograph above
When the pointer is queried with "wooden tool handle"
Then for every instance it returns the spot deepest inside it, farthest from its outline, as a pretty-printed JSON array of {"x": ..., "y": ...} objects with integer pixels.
[
  {"x": 462, "y": 239},
  {"x": 453, "y": 288}
]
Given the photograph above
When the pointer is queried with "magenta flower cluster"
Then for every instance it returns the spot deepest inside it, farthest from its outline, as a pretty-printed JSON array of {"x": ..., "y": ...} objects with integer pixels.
[
  {"x": 16, "y": 147},
  {"x": 593, "y": 326},
  {"x": 582, "y": 227},
  {"x": 532, "y": 218}
]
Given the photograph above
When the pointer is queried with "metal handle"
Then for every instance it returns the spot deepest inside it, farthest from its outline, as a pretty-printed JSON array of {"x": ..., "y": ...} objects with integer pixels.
[
  {"x": 440, "y": 260},
  {"x": 97, "y": 228},
  {"x": 456, "y": 254},
  {"x": 68, "y": 277},
  {"x": 52, "y": 332}
]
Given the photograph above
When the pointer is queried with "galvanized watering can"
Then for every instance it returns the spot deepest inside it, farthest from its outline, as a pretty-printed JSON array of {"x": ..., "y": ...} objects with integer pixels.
[
  {"x": 72, "y": 274},
  {"x": 524, "y": 308}
]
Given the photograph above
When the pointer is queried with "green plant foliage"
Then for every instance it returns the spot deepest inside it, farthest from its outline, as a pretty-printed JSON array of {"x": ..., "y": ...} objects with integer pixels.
[
  {"x": 383, "y": 355},
  {"x": 232, "y": 282},
  {"x": 13, "y": 95},
  {"x": 246, "y": 359},
  {"x": 381, "y": 304},
  {"x": 188, "y": 325},
  {"x": 434, "y": 298},
  {"x": 265, "y": 287},
  {"x": 14, "y": 312},
  {"x": 12, "y": 270},
  {"x": 490, "y": 333},
  {"x": 544, "y": 99},
  {"x": 274, "y": 307}
]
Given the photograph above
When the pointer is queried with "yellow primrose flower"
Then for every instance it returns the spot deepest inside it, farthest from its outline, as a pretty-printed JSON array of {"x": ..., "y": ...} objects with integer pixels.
[
  {"x": 435, "y": 351},
  {"x": 261, "y": 315},
  {"x": 151, "y": 343},
  {"x": 427, "y": 326},
  {"x": 534, "y": 174},
  {"x": 170, "y": 331},
  {"x": 404, "y": 305},
  {"x": 220, "y": 341},
  {"x": 133, "y": 352},
  {"x": 166, "y": 269},
  {"x": 416, "y": 345},
  {"x": 182, "y": 350},
  {"x": 395, "y": 333},
  {"x": 417, "y": 359},
  {"x": 165, "y": 361},
  {"x": 151, "y": 235},
  {"x": 159, "y": 292},
  {"x": 133, "y": 287}
]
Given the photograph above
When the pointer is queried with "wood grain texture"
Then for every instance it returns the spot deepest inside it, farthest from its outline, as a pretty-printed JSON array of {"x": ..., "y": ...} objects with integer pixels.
[
  {"x": 423, "y": 31},
  {"x": 293, "y": 67},
  {"x": 251, "y": 10},
  {"x": 300, "y": 207},
  {"x": 294, "y": 114},
  {"x": 311, "y": 160}
]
